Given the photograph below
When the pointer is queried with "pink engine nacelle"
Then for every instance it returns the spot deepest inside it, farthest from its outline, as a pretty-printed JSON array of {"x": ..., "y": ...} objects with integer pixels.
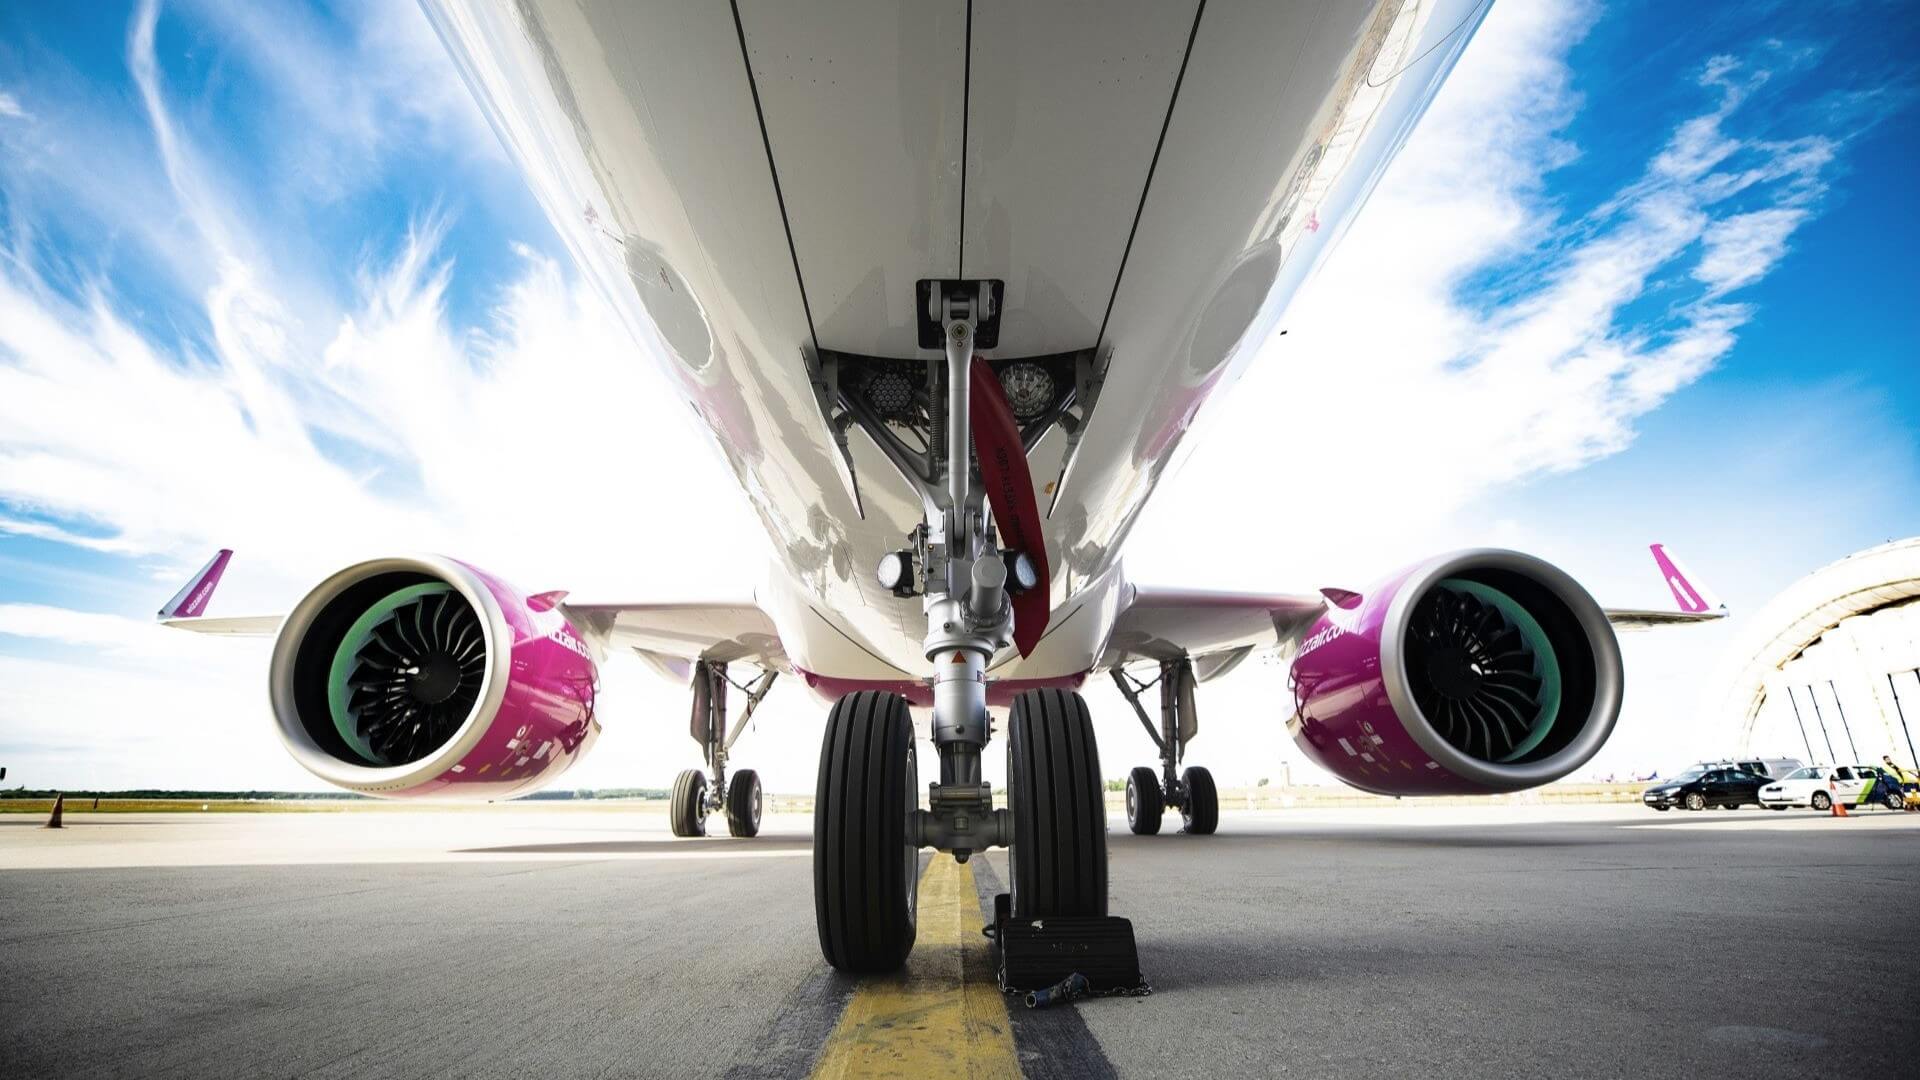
[
  {"x": 423, "y": 676},
  {"x": 1473, "y": 673}
]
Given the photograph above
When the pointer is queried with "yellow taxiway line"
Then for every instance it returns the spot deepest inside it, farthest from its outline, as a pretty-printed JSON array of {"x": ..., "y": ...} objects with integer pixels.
[{"x": 943, "y": 1015}]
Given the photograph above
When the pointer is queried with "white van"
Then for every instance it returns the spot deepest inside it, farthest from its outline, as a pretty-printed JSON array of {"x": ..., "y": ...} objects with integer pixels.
[{"x": 1821, "y": 786}]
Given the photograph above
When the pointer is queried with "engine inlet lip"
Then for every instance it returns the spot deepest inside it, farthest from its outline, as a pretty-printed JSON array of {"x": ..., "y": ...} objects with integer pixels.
[
  {"x": 378, "y": 779},
  {"x": 1608, "y": 677}
]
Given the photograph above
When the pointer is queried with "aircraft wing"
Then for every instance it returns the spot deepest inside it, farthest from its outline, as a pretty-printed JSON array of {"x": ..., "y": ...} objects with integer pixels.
[
  {"x": 671, "y": 636},
  {"x": 184, "y": 611},
  {"x": 230, "y": 625},
  {"x": 1631, "y": 619},
  {"x": 1219, "y": 629},
  {"x": 1216, "y": 629},
  {"x": 1696, "y": 602}
]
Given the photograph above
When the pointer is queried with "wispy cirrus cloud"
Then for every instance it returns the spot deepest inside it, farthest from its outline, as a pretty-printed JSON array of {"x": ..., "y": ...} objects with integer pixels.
[
  {"x": 1475, "y": 330},
  {"x": 305, "y": 423},
  {"x": 222, "y": 356},
  {"x": 1509, "y": 308},
  {"x": 305, "y": 404},
  {"x": 1739, "y": 250}
]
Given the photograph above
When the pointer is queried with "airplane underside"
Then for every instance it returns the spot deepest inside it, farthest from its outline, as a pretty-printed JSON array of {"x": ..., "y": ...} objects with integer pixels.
[{"x": 950, "y": 282}]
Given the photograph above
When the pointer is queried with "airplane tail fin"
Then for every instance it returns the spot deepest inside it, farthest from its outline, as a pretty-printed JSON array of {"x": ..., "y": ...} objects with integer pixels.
[
  {"x": 191, "y": 601},
  {"x": 1693, "y": 597}
]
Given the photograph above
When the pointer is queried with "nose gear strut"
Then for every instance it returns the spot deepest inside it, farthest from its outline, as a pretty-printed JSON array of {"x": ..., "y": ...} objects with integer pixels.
[
  {"x": 968, "y": 619},
  {"x": 978, "y": 599}
]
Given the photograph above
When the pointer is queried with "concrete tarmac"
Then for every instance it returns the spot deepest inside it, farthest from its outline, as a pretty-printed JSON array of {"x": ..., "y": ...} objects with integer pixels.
[{"x": 562, "y": 941}]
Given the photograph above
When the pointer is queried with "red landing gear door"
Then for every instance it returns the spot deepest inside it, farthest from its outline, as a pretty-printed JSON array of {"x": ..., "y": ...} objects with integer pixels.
[{"x": 1003, "y": 468}]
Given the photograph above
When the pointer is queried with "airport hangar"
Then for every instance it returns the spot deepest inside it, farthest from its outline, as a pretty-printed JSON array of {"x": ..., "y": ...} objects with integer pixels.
[{"x": 1830, "y": 668}]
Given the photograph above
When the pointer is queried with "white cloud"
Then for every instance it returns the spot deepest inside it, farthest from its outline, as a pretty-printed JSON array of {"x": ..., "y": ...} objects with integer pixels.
[
  {"x": 1741, "y": 249},
  {"x": 1408, "y": 388},
  {"x": 11, "y": 108},
  {"x": 457, "y": 439},
  {"x": 307, "y": 430},
  {"x": 1405, "y": 398},
  {"x": 42, "y": 530},
  {"x": 313, "y": 428},
  {"x": 354, "y": 93},
  {"x": 107, "y": 633}
]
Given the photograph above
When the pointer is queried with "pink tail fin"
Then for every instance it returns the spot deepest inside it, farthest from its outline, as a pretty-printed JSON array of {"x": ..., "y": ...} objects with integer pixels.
[
  {"x": 191, "y": 601},
  {"x": 1692, "y": 598}
]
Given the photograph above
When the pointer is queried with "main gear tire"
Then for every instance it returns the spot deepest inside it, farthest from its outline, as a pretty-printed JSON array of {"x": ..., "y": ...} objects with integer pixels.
[
  {"x": 743, "y": 804},
  {"x": 1144, "y": 802},
  {"x": 1200, "y": 812},
  {"x": 687, "y": 807}
]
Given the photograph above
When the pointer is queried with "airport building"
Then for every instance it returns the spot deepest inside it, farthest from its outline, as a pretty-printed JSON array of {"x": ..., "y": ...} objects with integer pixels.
[{"x": 1830, "y": 668}]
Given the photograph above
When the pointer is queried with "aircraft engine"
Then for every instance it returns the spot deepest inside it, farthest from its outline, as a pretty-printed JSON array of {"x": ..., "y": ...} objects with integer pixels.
[
  {"x": 423, "y": 676},
  {"x": 1477, "y": 672}
]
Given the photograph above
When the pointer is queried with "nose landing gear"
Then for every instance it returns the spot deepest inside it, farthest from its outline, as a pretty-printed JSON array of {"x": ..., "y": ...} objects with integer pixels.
[
  {"x": 868, "y": 824},
  {"x": 1191, "y": 792},
  {"x": 697, "y": 794}
]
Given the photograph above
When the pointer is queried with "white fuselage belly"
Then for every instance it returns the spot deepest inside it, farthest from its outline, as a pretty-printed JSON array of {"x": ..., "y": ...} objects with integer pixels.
[{"x": 995, "y": 139}]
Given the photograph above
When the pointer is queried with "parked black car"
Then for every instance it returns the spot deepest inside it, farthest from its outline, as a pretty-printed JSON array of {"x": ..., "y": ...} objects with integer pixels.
[{"x": 1697, "y": 789}]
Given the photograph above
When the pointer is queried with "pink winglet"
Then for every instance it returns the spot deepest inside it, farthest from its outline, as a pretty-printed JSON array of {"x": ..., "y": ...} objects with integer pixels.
[
  {"x": 546, "y": 601},
  {"x": 1343, "y": 598},
  {"x": 191, "y": 602},
  {"x": 1691, "y": 599}
]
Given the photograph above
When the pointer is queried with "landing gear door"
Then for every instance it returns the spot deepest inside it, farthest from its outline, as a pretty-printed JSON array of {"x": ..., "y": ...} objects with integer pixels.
[
  {"x": 1188, "y": 711},
  {"x": 701, "y": 726}
]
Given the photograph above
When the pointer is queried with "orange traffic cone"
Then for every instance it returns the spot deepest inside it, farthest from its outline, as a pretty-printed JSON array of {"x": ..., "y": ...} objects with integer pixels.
[
  {"x": 1839, "y": 808},
  {"x": 59, "y": 807}
]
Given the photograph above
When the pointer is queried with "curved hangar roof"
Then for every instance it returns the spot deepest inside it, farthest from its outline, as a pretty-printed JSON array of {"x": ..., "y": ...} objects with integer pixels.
[{"x": 1863, "y": 582}]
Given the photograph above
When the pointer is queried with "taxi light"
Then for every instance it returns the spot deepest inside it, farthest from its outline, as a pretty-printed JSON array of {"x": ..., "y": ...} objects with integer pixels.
[
  {"x": 1021, "y": 573},
  {"x": 895, "y": 572}
]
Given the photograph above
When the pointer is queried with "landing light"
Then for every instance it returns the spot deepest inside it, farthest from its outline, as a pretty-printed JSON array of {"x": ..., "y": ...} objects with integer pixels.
[
  {"x": 895, "y": 572},
  {"x": 1029, "y": 389}
]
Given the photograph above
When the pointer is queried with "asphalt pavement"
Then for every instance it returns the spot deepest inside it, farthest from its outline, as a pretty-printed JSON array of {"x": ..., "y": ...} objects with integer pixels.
[{"x": 518, "y": 941}]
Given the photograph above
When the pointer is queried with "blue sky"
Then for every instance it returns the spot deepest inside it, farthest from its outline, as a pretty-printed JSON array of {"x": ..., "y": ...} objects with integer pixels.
[
  {"x": 1802, "y": 443},
  {"x": 268, "y": 281}
]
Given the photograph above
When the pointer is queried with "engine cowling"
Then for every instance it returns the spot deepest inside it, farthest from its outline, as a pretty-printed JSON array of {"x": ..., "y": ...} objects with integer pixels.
[
  {"x": 1473, "y": 673},
  {"x": 423, "y": 676}
]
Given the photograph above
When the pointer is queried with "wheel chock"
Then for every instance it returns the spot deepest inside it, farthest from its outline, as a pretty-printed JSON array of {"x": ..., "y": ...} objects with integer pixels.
[{"x": 1060, "y": 958}]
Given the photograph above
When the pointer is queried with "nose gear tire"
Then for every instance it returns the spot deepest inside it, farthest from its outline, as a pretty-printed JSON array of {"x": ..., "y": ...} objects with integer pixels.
[
  {"x": 866, "y": 867},
  {"x": 1059, "y": 856}
]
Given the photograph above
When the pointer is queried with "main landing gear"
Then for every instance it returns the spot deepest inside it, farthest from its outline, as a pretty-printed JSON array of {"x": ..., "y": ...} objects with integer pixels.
[
  {"x": 1191, "y": 792},
  {"x": 868, "y": 823},
  {"x": 697, "y": 794}
]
